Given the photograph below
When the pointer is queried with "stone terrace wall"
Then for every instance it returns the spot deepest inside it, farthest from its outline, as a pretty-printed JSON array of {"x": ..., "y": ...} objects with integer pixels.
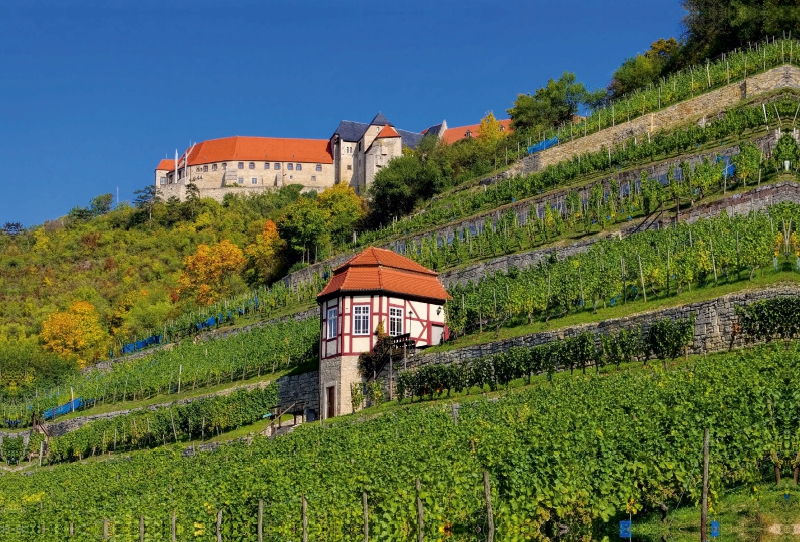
[
  {"x": 300, "y": 388},
  {"x": 755, "y": 199},
  {"x": 706, "y": 104},
  {"x": 712, "y": 333}
]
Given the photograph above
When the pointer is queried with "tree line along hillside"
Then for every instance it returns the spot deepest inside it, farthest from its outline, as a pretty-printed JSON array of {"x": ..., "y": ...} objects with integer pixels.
[{"x": 75, "y": 288}]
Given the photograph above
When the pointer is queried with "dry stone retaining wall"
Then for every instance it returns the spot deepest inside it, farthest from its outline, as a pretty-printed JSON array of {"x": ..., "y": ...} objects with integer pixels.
[
  {"x": 786, "y": 76},
  {"x": 713, "y": 327}
]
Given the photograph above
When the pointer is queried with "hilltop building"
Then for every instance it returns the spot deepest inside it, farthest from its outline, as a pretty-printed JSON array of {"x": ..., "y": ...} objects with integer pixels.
[
  {"x": 360, "y": 149},
  {"x": 353, "y": 154},
  {"x": 374, "y": 286},
  {"x": 451, "y": 135}
]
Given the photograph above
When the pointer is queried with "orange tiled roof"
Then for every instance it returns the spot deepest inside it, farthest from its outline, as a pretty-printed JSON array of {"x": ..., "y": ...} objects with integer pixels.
[
  {"x": 388, "y": 131},
  {"x": 166, "y": 164},
  {"x": 451, "y": 135},
  {"x": 267, "y": 149},
  {"x": 380, "y": 270}
]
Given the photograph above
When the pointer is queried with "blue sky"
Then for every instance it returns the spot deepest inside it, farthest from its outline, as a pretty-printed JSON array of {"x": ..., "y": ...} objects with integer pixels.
[{"x": 94, "y": 93}]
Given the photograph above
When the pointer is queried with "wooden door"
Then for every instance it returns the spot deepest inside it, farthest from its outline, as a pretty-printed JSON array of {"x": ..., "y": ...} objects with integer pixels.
[{"x": 331, "y": 410}]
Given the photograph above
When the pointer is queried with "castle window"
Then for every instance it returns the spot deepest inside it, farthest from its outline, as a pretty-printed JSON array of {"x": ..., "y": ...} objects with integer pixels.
[
  {"x": 241, "y": 165},
  {"x": 213, "y": 167},
  {"x": 252, "y": 165},
  {"x": 224, "y": 165},
  {"x": 361, "y": 320},
  {"x": 254, "y": 180},
  {"x": 277, "y": 165},
  {"x": 266, "y": 165},
  {"x": 319, "y": 167},
  {"x": 298, "y": 167},
  {"x": 349, "y": 167},
  {"x": 333, "y": 323},
  {"x": 313, "y": 178},
  {"x": 205, "y": 168},
  {"x": 163, "y": 180},
  {"x": 289, "y": 166},
  {"x": 241, "y": 180},
  {"x": 395, "y": 321}
]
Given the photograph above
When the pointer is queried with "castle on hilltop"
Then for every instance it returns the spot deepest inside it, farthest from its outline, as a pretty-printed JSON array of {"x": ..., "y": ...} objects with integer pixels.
[{"x": 353, "y": 154}]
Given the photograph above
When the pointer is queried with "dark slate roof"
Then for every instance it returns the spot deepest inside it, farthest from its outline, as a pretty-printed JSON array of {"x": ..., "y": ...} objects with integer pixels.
[
  {"x": 410, "y": 139},
  {"x": 435, "y": 129},
  {"x": 380, "y": 120},
  {"x": 350, "y": 130}
]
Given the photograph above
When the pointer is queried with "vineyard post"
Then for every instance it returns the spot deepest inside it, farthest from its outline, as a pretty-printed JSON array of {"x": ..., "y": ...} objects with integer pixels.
[
  {"x": 173, "y": 531},
  {"x": 219, "y": 525},
  {"x": 41, "y": 452},
  {"x": 713, "y": 261},
  {"x": 174, "y": 432},
  {"x": 141, "y": 528},
  {"x": 420, "y": 517},
  {"x": 105, "y": 528},
  {"x": 624, "y": 281},
  {"x": 180, "y": 372},
  {"x": 641, "y": 277},
  {"x": 704, "y": 509},
  {"x": 366, "y": 516},
  {"x": 487, "y": 488},
  {"x": 260, "y": 520},
  {"x": 304, "y": 507},
  {"x": 71, "y": 529}
]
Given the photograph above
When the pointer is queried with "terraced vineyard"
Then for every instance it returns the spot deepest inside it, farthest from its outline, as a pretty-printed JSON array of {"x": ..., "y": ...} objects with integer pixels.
[
  {"x": 186, "y": 366},
  {"x": 574, "y": 452}
]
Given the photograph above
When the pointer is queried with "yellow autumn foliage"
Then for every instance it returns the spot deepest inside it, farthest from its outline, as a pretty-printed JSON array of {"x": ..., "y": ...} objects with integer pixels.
[{"x": 75, "y": 332}]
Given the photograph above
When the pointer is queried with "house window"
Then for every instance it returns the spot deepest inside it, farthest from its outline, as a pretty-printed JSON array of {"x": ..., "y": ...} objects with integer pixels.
[
  {"x": 349, "y": 167},
  {"x": 254, "y": 180},
  {"x": 298, "y": 167},
  {"x": 277, "y": 165},
  {"x": 395, "y": 321},
  {"x": 213, "y": 167},
  {"x": 289, "y": 166},
  {"x": 361, "y": 320},
  {"x": 224, "y": 165},
  {"x": 241, "y": 180},
  {"x": 241, "y": 165},
  {"x": 313, "y": 178},
  {"x": 319, "y": 167},
  {"x": 333, "y": 323},
  {"x": 163, "y": 180},
  {"x": 266, "y": 165},
  {"x": 252, "y": 165},
  {"x": 205, "y": 167}
]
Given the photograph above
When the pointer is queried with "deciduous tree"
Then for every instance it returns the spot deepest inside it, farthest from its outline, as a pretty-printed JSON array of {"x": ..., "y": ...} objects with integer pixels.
[
  {"x": 74, "y": 333},
  {"x": 211, "y": 272}
]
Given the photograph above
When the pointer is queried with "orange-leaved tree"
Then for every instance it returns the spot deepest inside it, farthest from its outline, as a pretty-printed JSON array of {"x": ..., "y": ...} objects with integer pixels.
[
  {"x": 264, "y": 254},
  {"x": 75, "y": 333},
  {"x": 212, "y": 272}
]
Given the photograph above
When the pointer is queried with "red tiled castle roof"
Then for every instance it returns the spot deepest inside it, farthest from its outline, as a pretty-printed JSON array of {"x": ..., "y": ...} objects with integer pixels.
[
  {"x": 388, "y": 131},
  {"x": 166, "y": 164},
  {"x": 266, "y": 149},
  {"x": 380, "y": 270},
  {"x": 451, "y": 135}
]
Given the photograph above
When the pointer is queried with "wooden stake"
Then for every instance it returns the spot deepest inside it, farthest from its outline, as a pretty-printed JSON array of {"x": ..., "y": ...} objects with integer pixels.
[
  {"x": 704, "y": 510},
  {"x": 420, "y": 516},
  {"x": 260, "y": 520},
  {"x": 305, "y": 519},
  {"x": 173, "y": 530},
  {"x": 366, "y": 517},
  {"x": 487, "y": 488},
  {"x": 219, "y": 525}
]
